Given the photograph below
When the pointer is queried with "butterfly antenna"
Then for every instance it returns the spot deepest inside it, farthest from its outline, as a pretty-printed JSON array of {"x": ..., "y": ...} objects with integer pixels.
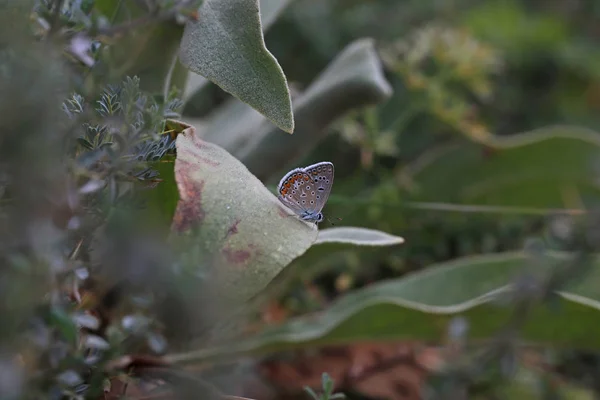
[{"x": 331, "y": 222}]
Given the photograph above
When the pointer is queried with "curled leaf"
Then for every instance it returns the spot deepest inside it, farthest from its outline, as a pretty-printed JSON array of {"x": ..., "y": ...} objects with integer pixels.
[{"x": 242, "y": 232}]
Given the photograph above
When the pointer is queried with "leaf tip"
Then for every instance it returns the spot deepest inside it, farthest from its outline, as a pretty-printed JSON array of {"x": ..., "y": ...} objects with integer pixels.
[
  {"x": 289, "y": 128},
  {"x": 358, "y": 236}
]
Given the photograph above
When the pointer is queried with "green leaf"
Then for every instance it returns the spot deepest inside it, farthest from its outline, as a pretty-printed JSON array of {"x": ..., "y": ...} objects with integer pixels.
[
  {"x": 354, "y": 79},
  {"x": 545, "y": 168},
  {"x": 358, "y": 236},
  {"x": 245, "y": 233},
  {"x": 420, "y": 306},
  {"x": 226, "y": 46},
  {"x": 85, "y": 143},
  {"x": 269, "y": 11},
  {"x": 327, "y": 384},
  {"x": 160, "y": 202}
]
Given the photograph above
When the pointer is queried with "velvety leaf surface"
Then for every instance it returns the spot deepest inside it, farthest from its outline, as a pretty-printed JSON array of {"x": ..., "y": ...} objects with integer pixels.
[
  {"x": 269, "y": 11},
  {"x": 244, "y": 234},
  {"x": 226, "y": 46}
]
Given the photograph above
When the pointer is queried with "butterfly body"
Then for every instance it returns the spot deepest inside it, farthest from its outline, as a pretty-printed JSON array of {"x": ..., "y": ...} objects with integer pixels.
[{"x": 306, "y": 190}]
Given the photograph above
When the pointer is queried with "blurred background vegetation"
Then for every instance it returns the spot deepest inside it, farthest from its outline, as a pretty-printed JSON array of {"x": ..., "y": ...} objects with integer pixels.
[
  {"x": 462, "y": 72},
  {"x": 434, "y": 164}
]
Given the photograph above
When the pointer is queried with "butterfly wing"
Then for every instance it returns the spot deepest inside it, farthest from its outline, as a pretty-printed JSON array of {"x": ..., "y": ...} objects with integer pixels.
[
  {"x": 321, "y": 180},
  {"x": 291, "y": 190}
]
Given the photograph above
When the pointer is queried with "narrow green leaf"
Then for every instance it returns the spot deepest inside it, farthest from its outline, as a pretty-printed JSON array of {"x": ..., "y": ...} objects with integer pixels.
[
  {"x": 357, "y": 236},
  {"x": 421, "y": 305},
  {"x": 85, "y": 143},
  {"x": 269, "y": 11},
  {"x": 226, "y": 46},
  {"x": 327, "y": 384}
]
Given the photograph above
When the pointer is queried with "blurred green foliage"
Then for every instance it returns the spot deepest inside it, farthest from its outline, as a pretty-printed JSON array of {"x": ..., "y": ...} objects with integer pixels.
[
  {"x": 462, "y": 68},
  {"x": 488, "y": 140},
  {"x": 465, "y": 74}
]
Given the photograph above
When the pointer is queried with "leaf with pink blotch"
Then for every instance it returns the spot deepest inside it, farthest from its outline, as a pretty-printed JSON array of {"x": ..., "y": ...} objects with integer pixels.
[{"x": 243, "y": 234}]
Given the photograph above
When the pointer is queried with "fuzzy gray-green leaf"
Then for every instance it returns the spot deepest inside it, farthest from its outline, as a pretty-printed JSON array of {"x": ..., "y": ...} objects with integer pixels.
[
  {"x": 226, "y": 46},
  {"x": 357, "y": 236},
  {"x": 243, "y": 231}
]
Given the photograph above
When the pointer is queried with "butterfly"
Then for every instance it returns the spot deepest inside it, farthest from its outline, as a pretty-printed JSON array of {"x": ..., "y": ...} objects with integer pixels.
[{"x": 306, "y": 190}]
